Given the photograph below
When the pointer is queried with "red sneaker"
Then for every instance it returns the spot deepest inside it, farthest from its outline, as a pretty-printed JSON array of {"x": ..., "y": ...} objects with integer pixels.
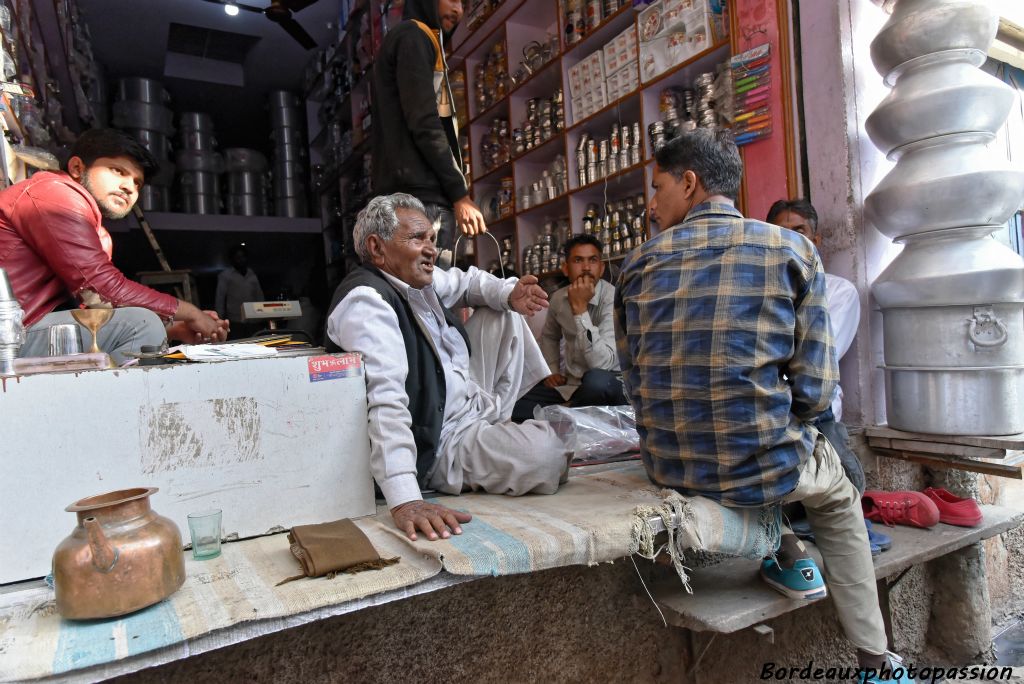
[
  {"x": 953, "y": 510},
  {"x": 900, "y": 508}
]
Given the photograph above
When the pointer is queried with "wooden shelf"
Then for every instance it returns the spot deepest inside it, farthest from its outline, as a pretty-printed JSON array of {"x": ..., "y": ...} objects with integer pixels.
[
  {"x": 546, "y": 204},
  {"x": 596, "y": 38},
  {"x": 611, "y": 178},
  {"x": 218, "y": 222},
  {"x": 721, "y": 45},
  {"x": 495, "y": 174}
]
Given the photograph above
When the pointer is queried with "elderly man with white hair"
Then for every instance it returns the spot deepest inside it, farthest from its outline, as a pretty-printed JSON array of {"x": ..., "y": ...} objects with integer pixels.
[{"x": 440, "y": 394}]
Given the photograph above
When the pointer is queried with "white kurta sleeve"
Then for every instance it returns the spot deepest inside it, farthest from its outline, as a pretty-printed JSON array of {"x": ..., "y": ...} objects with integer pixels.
[
  {"x": 363, "y": 322},
  {"x": 843, "y": 311}
]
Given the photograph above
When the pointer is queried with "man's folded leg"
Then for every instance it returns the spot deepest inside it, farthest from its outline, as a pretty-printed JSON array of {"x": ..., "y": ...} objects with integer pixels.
[{"x": 503, "y": 458}]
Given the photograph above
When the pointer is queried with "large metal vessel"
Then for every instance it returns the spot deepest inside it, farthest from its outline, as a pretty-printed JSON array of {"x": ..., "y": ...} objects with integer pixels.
[{"x": 953, "y": 301}]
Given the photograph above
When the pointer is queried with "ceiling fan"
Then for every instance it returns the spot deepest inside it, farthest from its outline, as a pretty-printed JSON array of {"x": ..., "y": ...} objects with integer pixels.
[{"x": 280, "y": 12}]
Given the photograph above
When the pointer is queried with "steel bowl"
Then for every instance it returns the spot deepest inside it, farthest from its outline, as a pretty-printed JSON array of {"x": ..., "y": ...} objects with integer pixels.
[
  {"x": 951, "y": 270},
  {"x": 918, "y": 107},
  {"x": 949, "y": 181},
  {"x": 921, "y": 27}
]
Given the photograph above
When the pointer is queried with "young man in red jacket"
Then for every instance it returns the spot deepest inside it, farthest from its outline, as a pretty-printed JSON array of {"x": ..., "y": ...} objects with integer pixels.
[{"x": 56, "y": 251}]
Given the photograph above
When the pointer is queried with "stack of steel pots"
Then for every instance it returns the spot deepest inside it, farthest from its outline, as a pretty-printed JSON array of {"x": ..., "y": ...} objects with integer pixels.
[
  {"x": 953, "y": 301},
  {"x": 199, "y": 165},
  {"x": 245, "y": 179},
  {"x": 290, "y": 154},
  {"x": 141, "y": 111}
]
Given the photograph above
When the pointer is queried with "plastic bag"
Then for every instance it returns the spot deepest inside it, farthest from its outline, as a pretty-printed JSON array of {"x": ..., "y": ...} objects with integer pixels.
[{"x": 593, "y": 432}]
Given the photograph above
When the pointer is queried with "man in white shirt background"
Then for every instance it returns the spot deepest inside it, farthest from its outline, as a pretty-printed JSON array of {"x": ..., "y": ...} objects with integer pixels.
[
  {"x": 844, "y": 314},
  {"x": 580, "y": 314},
  {"x": 235, "y": 286}
]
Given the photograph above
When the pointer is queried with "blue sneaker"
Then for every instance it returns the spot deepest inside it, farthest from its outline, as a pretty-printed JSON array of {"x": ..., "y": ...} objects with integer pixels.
[
  {"x": 893, "y": 672},
  {"x": 882, "y": 541},
  {"x": 802, "y": 582}
]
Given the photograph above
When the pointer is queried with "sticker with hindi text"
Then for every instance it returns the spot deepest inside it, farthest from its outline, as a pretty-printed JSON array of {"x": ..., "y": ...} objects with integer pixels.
[{"x": 334, "y": 367}]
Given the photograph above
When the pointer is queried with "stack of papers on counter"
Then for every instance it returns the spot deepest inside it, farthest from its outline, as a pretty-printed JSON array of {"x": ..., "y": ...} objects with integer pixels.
[{"x": 225, "y": 352}]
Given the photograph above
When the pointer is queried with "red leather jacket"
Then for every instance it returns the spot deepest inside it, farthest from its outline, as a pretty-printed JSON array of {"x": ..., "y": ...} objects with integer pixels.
[{"x": 50, "y": 248}]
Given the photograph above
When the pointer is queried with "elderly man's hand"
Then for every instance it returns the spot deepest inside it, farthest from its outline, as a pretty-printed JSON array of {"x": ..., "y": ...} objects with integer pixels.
[
  {"x": 429, "y": 518},
  {"x": 528, "y": 297}
]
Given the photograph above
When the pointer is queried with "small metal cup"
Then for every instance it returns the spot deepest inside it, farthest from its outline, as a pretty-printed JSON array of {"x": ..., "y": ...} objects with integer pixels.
[{"x": 65, "y": 339}]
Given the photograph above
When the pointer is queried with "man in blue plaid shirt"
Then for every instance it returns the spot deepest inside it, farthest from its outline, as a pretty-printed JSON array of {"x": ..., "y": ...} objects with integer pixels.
[{"x": 727, "y": 357}]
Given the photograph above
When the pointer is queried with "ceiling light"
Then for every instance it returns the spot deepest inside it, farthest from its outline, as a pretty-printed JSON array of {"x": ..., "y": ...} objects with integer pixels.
[{"x": 231, "y": 9}]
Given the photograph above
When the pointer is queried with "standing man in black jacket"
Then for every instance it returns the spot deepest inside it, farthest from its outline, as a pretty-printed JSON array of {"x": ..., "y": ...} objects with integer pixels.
[{"x": 415, "y": 143}]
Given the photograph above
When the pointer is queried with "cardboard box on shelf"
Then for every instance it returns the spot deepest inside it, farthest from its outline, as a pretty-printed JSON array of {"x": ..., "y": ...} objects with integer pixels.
[{"x": 673, "y": 31}]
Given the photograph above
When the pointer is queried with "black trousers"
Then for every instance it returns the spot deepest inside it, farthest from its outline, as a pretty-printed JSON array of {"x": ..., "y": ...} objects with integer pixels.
[{"x": 597, "y": 388}]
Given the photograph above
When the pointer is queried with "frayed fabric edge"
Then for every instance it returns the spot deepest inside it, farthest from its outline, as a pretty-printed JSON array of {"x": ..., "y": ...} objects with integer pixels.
[{"x": 676, "y": 514}]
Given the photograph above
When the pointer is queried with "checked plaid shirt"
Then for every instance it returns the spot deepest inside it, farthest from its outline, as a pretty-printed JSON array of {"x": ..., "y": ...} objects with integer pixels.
[{"x": 726, "y": 352}]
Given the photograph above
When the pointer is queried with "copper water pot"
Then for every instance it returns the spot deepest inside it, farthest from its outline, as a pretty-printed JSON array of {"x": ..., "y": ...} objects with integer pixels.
[{"x": 122, "y": 557}]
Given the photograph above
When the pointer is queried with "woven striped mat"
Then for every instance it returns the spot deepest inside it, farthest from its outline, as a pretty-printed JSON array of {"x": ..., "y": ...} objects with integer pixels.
[{"x": 588, "y": 521}]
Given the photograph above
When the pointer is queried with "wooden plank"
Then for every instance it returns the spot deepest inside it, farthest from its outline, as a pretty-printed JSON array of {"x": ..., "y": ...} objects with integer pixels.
[
  {"x": 961, "y": 450},
  {"x": 729, "y": 596},
  {"x": 995, "y": 442},
  {"x": 1007, "y": 468}
]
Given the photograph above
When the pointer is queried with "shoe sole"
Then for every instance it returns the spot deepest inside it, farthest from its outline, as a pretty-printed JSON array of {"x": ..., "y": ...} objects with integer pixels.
[
  {"x": 798, "y": 595},
  {"x": 961, "y": 522}
]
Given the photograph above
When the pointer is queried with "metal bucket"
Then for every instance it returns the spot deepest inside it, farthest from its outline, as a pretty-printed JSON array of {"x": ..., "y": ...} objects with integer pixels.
[
  {"x": 282, "y": 98},
  {"x": 154, "y": 141},
  {"x": 199, "y": 182},
  {"x": 142, "y": 90},
  {"x": 289, "y": 187},
  {"x": 289, "y": 169},
  {"x": 195, "y": 203},
  {"x": 956, "y": 401},
  {"x": 287, "y": 136},
  {"x": 286, "y": 117},
  {"x": 198, "y": 140},
  {"x": 964, "y": 336},
  {"x": 155, "y": 198},
  {"x": 196, "y": 121},
  {"x": 245, "y": 183},
  {"x": 244, "y": 159},
  {"x": 245, "y": 205},
  {"x": 193, "y": 160},
  {"x": 152, "y": 117},
  {"x": 289, "y": 152},
  {"x": 291, "y": 207}
]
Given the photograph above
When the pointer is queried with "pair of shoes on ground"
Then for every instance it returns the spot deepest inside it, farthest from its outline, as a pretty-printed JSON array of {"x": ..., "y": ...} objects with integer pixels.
[
  {"x": 879, "y": 542},
  {"x": 920, "y": 509}
]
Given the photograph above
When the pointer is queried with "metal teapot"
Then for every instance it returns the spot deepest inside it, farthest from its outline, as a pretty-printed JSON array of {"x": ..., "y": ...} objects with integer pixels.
[{"x": 120, "y": 558}]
